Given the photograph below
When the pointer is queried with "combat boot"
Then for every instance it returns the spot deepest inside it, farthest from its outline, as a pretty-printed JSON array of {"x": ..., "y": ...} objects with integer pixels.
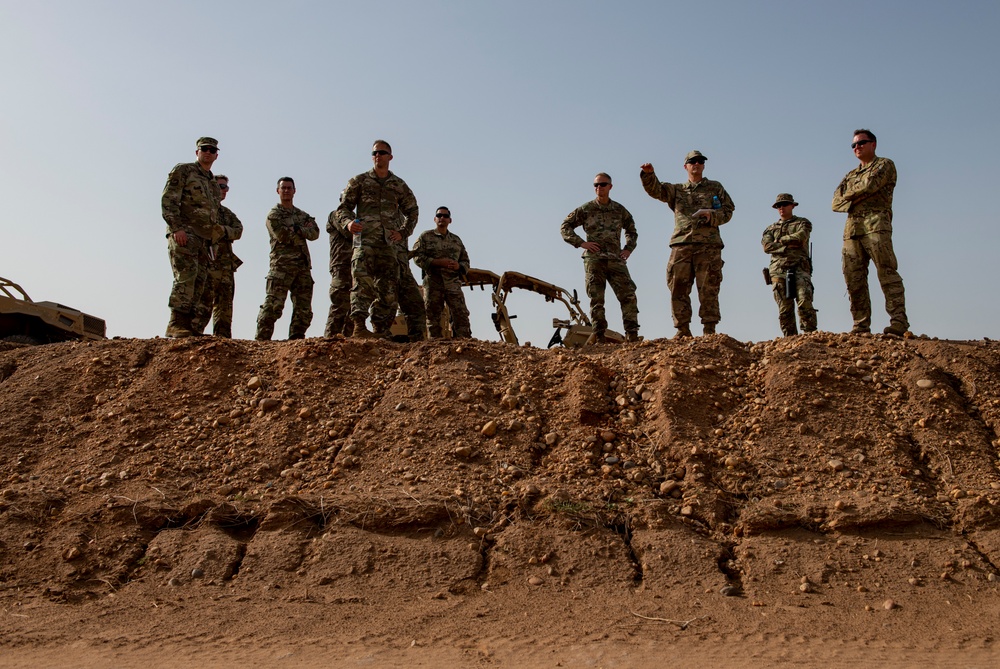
[
  {"x": 600, "y": 337},
  {"x": 632, "y": 336},
  {"x": 361, "y": 330},
  {"x": 265, "y": 330},
  {"x": 683, "y": 332},
  {"x": 895, "y": 329},
  {"x": 708, "y": 328},
  {"x": 179, "y": 325},
  {"x": 225, "y": 331}
]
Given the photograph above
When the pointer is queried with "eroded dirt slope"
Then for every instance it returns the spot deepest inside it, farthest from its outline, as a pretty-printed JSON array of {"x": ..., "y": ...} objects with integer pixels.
[{"x": 825, "y": 486}]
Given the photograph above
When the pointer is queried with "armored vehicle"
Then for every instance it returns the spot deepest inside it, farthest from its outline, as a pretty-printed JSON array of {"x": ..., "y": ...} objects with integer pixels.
[{"x": 28, "y": 322}]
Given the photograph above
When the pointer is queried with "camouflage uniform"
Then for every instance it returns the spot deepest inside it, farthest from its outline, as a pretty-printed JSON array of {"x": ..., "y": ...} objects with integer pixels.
[
  {"x": 603, "y": 224},
  {"x": 216, "y": 303},
  {"x": 442, "y": 285},
  {"x": 190, "y": 203},
  {"x": 341, "y": 250},
  {"x": 787, "y": 242},
  {"x": 382, "y": 206},
  {"x": 695, "y": 246},
  {"x": 289, "y": 229},
  {"x": 865, "y": 195}
]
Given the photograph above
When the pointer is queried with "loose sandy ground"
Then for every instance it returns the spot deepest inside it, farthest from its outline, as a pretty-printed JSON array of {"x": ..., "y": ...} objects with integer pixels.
[{"x": 820, "y": 500}]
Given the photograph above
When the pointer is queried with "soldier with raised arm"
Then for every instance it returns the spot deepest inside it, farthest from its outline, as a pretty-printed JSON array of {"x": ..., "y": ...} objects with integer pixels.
[
  {"x": 700, "y": 207},
  {"x": 604, "y": 260}
]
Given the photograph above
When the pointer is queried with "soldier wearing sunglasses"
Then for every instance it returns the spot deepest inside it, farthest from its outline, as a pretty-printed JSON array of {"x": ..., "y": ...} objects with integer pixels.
[
  {"x": 865, "y": 195},
  {"x": 700, "y": 207},
  {"x": 190, "y": 207},
  {"x": 381, "y": 209},
  {"x": 604, "y": 259}
]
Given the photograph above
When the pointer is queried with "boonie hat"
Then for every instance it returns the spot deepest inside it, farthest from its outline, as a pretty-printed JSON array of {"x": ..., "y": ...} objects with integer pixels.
[
  {"x": 784, "y": 198},
  {"x": 206, "y": 141},
  {"x": 692, "y": 155}
]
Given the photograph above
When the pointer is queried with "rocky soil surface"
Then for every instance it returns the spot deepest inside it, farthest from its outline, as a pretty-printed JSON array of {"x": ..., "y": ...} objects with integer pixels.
[{"x": 467, "y": 503}]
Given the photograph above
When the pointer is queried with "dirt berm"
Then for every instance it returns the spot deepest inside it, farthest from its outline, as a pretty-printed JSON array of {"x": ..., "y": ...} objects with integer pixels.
[{"x": 207, "y": 501}]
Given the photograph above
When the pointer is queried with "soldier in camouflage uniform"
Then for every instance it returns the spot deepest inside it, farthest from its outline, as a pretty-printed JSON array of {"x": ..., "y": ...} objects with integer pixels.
[
  {"x": 290, "y": 229},
  {"x": 220, "y": 287},
  {"x": 339, "y": 321},
  {"x": 444, "y": 260},
  {"x": 700, "y": 206},
  {"x": 865, "y": 195},
  {"x": 381, "y": 208},
  {"x": 788, "y": 243},
  {"x": 190, "y": 206},
  {"x": 603, "y": 221}
]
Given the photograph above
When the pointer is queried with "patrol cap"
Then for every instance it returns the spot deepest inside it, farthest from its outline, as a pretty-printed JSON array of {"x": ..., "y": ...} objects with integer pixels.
[
  {"x": 692, "y": 155},
  {"x": 784, "y": 198},
  {"x": 206, "y": 141}
]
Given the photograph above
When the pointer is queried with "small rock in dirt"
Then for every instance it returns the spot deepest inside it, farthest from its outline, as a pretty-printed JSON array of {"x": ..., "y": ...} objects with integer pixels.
[
  {"x": 608, "y": 436},
  {"x": 535, "y": 580},
  {"x": 889, "y": 605},
  {"x": 925, "y": 384},
  {"x": 72, "y": 554},
  {"x": 254, "y": 383},
  {"x": 197, "y": 572},
  {"x": 490, "y": 429},
  {"x": 174, "y": 582},
  {"x": 836, "y": 465},
  {"x": 729, "y": 591},
  {"x": 551, "y": 438},
  {"x": 269, "y": 403}
]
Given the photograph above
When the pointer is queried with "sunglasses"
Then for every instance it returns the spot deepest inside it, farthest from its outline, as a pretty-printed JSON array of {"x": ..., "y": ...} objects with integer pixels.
[
  {"x": 380, "y": 152},
  {"x": 601, "y": 184},
  {"x": 208, "y": 149},
  {"x": 442, "y": 215},
  {"x": 696, "y": 161},
  {"x": 224, "y": 186},
  {"x": 860, "y": 142}
]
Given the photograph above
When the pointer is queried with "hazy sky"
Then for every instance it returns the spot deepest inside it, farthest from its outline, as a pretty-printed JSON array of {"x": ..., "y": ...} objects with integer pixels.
[{"x": 503, "y": 112}]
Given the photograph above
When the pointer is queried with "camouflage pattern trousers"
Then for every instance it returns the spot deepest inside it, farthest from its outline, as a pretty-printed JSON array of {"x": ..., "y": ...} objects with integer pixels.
[
  {"x": 216, "y": 303},
  {"x": 411, "y": 302},
  {"x": 375, "y": 273},
  {"x": 339, "y": 319},
  {"x": 283, "y": 280},
  {"x": 876, "y": 247},
  {"x": 688, "y": 264},
  {"x": 786, "y": 305},
  {"x": 598, "y": 272},
  {"x": 190, "y": 267},
  {"x": 439, "y": 291}
]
